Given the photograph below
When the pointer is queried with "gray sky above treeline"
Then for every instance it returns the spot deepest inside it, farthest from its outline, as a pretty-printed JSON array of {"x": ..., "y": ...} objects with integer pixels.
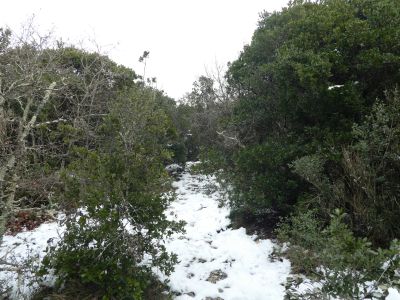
[{"x": 184, "y": 37}]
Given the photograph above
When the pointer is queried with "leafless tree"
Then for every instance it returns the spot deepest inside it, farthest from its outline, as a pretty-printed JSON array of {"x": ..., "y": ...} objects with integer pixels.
[
  {"x": 23, "y": 96},
  {"x": 44, "y": 85}
]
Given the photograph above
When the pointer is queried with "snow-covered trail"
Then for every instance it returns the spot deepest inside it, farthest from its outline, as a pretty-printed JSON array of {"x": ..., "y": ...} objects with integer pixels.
[{"x": 217, "y": 262}]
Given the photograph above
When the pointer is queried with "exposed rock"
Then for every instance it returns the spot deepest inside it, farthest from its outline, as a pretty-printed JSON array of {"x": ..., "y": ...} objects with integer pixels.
[
  {"x": 216, "y": 275},
  {"x": 229, "y": 261},
  {"x": 221, "y": 230},
  {"x": 174, "y": 169}
]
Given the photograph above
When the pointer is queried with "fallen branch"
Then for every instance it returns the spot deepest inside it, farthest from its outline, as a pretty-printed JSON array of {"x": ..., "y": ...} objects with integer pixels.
[
  {"x": 50, "y": 122},
  {"x": 231, "y": 138}
]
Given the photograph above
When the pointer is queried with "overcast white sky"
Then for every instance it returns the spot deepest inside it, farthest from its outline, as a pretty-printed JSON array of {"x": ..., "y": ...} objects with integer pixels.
[{"x": 183, "y": 36}]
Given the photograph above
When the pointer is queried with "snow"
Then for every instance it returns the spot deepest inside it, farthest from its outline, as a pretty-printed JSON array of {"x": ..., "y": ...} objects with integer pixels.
[
  {"x": 393, "y": 294},
  {"x": 173, "y": 167},
  {"x": 209, "y": 245},
  {"x": 238, "y": 263},
  {"x": 335, "y": 86},
  {"x": 308, "y": 286},
  {"x": 26, "y": 248}
]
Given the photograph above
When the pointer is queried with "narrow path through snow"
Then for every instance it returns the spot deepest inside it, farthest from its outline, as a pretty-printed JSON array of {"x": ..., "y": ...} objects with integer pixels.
[{"x": 215, "y": 261}]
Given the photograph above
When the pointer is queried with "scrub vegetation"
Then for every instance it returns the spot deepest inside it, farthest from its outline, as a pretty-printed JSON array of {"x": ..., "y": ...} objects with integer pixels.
[{"x": 302, "y": 132}]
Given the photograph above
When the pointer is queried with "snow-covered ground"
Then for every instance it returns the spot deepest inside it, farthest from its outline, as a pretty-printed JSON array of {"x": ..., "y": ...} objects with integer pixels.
[
  {"x": 216, "y": 262},
  {"x": 26, "y": 247}
]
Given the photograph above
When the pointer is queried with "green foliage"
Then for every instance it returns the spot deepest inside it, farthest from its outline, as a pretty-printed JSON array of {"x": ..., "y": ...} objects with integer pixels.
[
  {"x": 114, "y": 236},
  {"x": 179, "y": 152},
  {"x": 262, "y": 182},
  {"x": 366, "y": 182},
  {"x": 4, "y": 39},
  {"x": 339, "y": 264},
  {"x": 202, "y": 112},
  {"x": 120, "y": 221},
  {"x": 311, "y": 134},
  {"x": 311, "y": 72},
  {"x": 79, "y": 133},
  {"x": 85, "y": 85}
]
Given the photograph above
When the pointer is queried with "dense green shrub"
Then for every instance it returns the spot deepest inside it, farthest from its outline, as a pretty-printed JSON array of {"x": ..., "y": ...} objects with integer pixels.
[
  {"x": 338, "y": 263},
  {"x": 115, "y": 228},
  {"x": 311, "y": 71},
  {"x": 120, "y": 221},
  {"x": 179, "y": 152},
  {"x": 262, "y": 183},
  {"x": 367, "y": 183},
  {"x": 367, "y": 187},
  {"x": 311, "y": 134}
]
